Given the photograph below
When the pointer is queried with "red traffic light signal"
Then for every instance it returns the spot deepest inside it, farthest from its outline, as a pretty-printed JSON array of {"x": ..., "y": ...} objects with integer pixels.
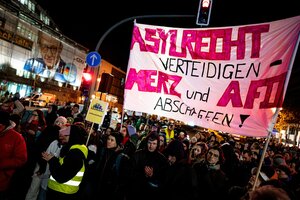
[
  {"x": 87, "y": 77},
  {"x": 204, "y": 10}
]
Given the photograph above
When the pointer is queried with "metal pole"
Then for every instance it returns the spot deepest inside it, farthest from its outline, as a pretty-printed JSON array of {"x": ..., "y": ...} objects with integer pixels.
[
  {"x": 133, "y": 18},
  {"x": 261, "y": 160},
  {"x": 93, "y": 86},
  {"x": 276, "y": 112}
]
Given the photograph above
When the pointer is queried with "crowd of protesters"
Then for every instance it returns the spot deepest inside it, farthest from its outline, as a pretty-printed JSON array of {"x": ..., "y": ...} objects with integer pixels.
[{"x": 48, "y": 156}]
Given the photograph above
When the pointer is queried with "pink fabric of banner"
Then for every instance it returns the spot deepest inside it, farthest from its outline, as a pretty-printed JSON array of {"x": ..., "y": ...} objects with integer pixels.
[{"x": 229, "y": 78}]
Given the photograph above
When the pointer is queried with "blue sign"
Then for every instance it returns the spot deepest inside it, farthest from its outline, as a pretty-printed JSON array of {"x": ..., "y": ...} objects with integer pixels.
[{"x": 93, "y": 59}]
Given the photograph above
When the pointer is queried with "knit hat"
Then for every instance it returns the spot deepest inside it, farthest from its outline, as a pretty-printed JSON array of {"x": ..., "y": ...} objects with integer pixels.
[
  {"x": 61, "y": 120},
  {"x": 278, "y": 160},
  {"x": 175, "y": 148},
  {"x": 131, "y": 130}
]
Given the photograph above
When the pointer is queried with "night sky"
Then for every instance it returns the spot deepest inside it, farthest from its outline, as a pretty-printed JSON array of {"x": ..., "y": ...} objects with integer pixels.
[{"x": 85, "y": 21}]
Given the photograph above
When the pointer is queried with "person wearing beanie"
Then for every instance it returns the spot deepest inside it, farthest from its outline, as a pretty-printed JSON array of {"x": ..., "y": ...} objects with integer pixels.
[
  {"x": 148, "y": 169},
  {"x": 102, "y": 177},
  {"x": 67, "y": 171},
  {"x": 13, "y": 153},
  {"x": 51, "y": 114},
  {"x": 174, "y": 151},
  {"x": 284, "y": 173},
  {"x": 180, "y": 177},
  {"x": 278, "y": 159}
]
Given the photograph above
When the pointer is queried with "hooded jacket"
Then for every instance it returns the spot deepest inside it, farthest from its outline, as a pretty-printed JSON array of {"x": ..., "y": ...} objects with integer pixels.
[{"x": 13, "y": 154}]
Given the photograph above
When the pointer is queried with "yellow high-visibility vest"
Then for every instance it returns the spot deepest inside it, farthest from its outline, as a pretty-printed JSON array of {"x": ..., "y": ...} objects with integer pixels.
[
  {"x": 71, "y": 186},
  {"x": 169, "y": 135}
]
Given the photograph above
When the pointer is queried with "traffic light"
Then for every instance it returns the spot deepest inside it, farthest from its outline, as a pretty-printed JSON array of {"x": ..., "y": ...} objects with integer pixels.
[
  {"x": 86, "y": 83},
  {"x": 204, "y": 12},
  {"x": 105, "y": 83}
]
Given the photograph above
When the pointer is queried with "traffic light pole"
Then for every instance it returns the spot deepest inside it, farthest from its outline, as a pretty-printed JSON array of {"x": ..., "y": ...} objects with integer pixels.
[{"x": 97, "y": 71}]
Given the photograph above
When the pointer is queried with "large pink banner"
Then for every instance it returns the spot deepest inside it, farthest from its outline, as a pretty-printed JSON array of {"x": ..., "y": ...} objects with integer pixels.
[{"x": 229, "y": 78}]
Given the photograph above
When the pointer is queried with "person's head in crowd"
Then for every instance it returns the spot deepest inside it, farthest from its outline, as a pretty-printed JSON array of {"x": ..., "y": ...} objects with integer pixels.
[
  {"x": 247, "y": 156},
  {"x": 212, "y": 137},
  {"x": 198, "y": 151},
  {"x": 4, "y": 120},
  {"x": 287, "y": 156},
  {"x": 75, "y": 109},
  {"x": 197, "y": 135},
  {"x": 108, "y": 130},
  {"x": 70, "y": 120},
  {"x": 255, "y": 147},
  {"x": 284, "y": 172},
  {"x": 193, "y": 140},
  {"x": 278, "y": 159},
  {"x": 79, "y": 123},
  {"x": 61, "y": 121},
  {"x": 171, "y": 126},
  {"x": 268, "y": 160},
  {"x": 154, "y": 128},
  {"x": 114, "y": 140},
  {"x": 7, "y": 106},
  {"x": 52, "y": 108},
  {"x": 72, "y": 135},
  {"x": 141, "y": 127},
  {"x": 174, "y": 151},
  {"x": 124, "y": 131},
  {"x": 64, "y": 134},
  {"x": 79, "y": 118},
  {"x": 38, "y": 116},
  {"x": 162, "y": 139},
  {"x": 50, "y": 49},
  {"x": 16, "y": 96},
  {"x": 214, "y": 156},
  {"x": 147, "y": 128},
  {"x": 17, "y": 120},
  {"x": 268, "y": 192},
  {"x": 153, "y": 141},
  {"x": 186, "y": 144},
  {"x": 229, "y": 153},
  {"x": 182, "y": 135}
]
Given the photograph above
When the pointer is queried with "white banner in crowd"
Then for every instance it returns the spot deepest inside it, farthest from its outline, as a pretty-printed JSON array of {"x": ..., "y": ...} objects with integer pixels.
[{"x": 228, "y": 78}]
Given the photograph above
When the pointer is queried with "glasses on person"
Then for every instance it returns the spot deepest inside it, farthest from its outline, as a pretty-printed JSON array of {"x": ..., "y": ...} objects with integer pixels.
[
  {"x": 213, "y": 154},
  {"x": 45, "y": 48}
]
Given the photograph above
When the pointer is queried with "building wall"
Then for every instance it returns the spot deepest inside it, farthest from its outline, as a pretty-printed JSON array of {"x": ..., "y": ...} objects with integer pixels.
[
  {"x": 115, "y": 96},
  {"x": 19, "y": 43}
]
